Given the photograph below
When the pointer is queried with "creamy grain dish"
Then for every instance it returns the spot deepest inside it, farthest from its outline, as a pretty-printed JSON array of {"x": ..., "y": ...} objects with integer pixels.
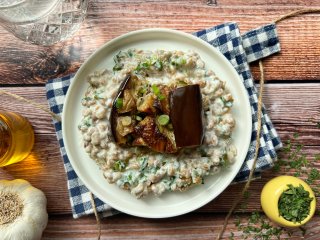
[{"x": 144, "y": 164}]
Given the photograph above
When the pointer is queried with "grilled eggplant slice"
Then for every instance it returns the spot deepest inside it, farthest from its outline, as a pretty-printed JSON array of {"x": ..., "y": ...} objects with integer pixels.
[
  {"x": 135, "y": 113},
  {"x": 186, "y": 115},
  {"x": 150, "y": 135}
]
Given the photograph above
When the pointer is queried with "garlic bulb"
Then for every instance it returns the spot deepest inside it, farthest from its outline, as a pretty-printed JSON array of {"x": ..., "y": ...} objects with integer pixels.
[{"x": 23, "y": 214}]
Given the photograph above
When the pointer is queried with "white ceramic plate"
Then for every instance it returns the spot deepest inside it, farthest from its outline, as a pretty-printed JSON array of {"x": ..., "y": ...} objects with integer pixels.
[{"x": 171, "y": 203}]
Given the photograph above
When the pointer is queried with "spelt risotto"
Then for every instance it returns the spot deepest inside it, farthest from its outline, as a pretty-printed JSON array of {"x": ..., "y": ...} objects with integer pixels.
[{"x": 142, "y": 170}]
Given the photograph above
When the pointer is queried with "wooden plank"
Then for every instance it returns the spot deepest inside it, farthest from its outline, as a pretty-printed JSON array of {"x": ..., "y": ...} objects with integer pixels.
[
  {"x": 228, "y": 3},
  {"x": 190, "y": 226},
  {"x": 272, "y": 3},
  {"x": 292, "y": 104},
  {"x": 40, "y": 120},
  {"x": 109, "y": 19}
]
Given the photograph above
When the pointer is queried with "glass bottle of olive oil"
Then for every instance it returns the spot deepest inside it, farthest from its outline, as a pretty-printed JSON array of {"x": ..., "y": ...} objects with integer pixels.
[{"x": 16, "y": 138}]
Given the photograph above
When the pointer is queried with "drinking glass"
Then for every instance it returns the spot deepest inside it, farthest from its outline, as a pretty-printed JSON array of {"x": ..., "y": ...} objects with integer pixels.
[
  {"x": 16, "y": 138},
  {"x": 42, "y": 22}
]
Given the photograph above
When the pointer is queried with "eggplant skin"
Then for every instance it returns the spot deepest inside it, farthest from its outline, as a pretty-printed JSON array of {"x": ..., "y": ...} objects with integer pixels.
[
  {"x": 187, "y": 116},
  {"x": 113, "y": 123},
  {"x": 114, "y": 112}
]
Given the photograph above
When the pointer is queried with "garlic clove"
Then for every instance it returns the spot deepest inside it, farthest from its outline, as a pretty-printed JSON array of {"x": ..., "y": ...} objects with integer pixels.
[
  {"x": 39, "y": 218},
  {"x": 35, "y": 199},
  {"x": 17, "y": 185},
  {"x": 24, "y": 229},
  {"x": 27, "y": 216}
]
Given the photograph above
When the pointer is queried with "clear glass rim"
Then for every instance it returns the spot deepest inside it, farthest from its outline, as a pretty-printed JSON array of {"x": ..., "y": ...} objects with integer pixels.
[
  {"x": 27, "y": 21},
  {"x": 4, "y": 159},
  {"x": 12, "y": 5}
]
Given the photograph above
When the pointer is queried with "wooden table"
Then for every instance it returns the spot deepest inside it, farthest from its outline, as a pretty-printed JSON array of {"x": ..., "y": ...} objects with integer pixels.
[{"x": 292, "y": 97}]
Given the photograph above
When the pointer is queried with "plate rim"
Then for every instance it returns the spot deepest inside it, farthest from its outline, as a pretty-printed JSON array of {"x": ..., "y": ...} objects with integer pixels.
[{"x": 82, "y": 68}]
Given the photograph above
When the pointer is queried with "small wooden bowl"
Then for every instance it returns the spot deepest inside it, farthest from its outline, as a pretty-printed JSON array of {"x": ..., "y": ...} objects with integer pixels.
[{"x": 271, "y": 193}]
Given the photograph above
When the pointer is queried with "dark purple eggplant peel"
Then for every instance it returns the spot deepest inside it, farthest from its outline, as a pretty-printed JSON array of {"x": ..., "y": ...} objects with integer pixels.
[
  {"x": 157, "y": 117},
  {"x": 187, "y": 116}
]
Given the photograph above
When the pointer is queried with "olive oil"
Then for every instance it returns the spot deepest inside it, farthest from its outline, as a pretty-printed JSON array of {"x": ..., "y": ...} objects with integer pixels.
[{"x": 16, "y": 138}]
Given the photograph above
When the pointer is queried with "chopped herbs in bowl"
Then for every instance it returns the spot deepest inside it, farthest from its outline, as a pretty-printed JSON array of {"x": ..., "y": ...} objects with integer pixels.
[
  {"x": 294, "y": 203},
  {"x": 288, "y": 201}
]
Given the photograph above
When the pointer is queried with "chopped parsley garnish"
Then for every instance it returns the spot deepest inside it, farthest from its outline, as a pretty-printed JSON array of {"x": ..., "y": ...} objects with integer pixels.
[
  {"x": 224, "y": 160},
  {"x": 293, "y": 159},
  {"x": 258, "y": 227},
  {"x": 294, "y": 204},
  {"x": 97, "y": 95},
  {"x": 142, "y": 66},
  {"x": 178, "y": 61},
  {"x": 148, "y": 63},
  {"x": 202, "y": 152},
  {"x": 155, "y": 89},
  {"x": 87, "y": 121},
  {"x": 163, "y": 119},
  {"x": 117, "y": 60},
  {"x": 142, "y": 90},
  {"x": 118, "y": 66},
  {"x": 128, "y": 179},
  {"x": 158, "y": 65},
  {"x": 226, "y": 103},
  {"x": 130, "y": 53},
  {"x": 313, "y": 176},
  {"x": 119, "y": 166},
  {"x": 161, "y": 97},
  {"x": 157, "y": 92},
  {"x": 86, "y": 99},
  {"x": 143, "y": 163},
  {"x": 119, "y": 103}
]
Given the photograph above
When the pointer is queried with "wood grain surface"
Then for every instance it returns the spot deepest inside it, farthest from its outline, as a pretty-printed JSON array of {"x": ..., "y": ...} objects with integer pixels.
[
  {"x": 22, "y": 63},
  {"x": 195, "y": 226},
  {"x": 291, "y": 98}
]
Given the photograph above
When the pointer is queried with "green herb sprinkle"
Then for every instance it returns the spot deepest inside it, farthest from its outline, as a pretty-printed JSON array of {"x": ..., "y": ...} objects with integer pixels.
[{"x": 294, "y": 204}]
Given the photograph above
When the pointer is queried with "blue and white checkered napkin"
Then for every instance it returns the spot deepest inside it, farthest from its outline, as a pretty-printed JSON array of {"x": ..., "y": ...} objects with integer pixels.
[{"x": 240, "y": 51}]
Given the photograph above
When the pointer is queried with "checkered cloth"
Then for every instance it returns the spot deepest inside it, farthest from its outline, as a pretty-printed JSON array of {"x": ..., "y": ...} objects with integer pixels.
[{"x": 240, "y": 51}]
